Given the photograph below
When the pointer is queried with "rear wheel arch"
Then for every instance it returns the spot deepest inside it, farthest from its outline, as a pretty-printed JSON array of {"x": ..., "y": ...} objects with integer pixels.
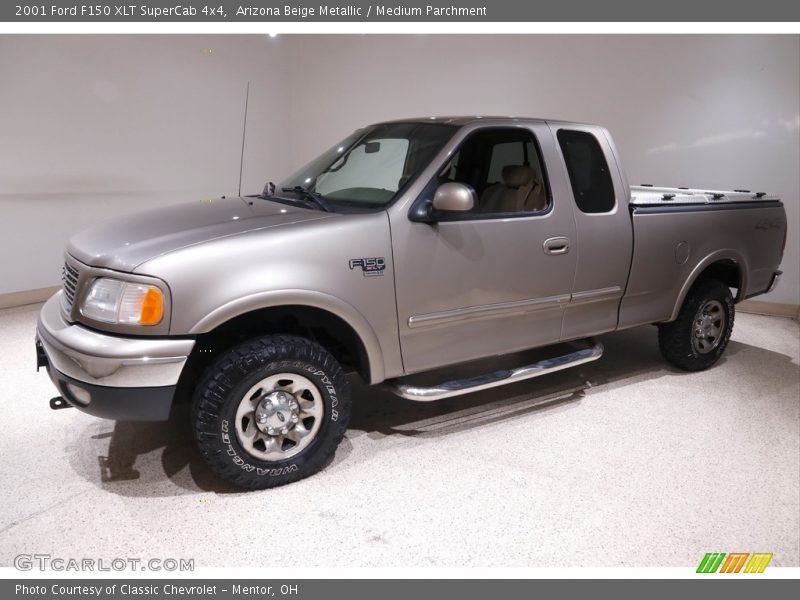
[{"x": 727, "y": 266}]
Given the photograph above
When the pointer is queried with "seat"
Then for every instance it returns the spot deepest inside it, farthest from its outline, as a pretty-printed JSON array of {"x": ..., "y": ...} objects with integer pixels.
[{"x": 520, "y": 191}]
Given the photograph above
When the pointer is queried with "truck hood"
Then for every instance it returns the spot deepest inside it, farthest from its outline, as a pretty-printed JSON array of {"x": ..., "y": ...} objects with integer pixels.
[{"x": 126, "y": 243}]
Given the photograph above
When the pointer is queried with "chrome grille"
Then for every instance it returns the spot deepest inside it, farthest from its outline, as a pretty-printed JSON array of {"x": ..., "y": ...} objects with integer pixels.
[{"x": 69, "y": 275}]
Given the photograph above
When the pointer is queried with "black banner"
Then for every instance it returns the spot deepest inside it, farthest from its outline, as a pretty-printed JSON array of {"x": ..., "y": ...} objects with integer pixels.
[
  {"x": 394, "y": 589},
  {"x": 458, "y": 11}
]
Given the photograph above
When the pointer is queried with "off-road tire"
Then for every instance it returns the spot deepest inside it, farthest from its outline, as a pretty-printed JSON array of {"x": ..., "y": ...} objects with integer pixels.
[
  {"x": 675, "y": 338},
  {"x": 222, "y": 387}
]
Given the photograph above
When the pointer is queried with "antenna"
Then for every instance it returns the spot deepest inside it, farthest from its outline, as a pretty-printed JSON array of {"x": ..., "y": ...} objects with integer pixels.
[{"x": 244, "y": 130}]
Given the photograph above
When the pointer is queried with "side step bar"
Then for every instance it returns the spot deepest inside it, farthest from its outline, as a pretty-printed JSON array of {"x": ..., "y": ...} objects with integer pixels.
[{"x": 458, "y": 387}]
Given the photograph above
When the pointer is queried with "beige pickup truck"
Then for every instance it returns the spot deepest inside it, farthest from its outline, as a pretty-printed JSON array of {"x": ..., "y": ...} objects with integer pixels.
[{"x": 408, "y": 247}]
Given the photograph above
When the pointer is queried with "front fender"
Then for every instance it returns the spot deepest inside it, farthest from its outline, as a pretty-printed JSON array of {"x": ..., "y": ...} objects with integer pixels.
[{"x": 293, "y": 297}]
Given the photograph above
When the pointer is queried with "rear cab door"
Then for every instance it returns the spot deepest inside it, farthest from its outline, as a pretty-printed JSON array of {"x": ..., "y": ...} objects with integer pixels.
[{"x": 604, "y": 233}]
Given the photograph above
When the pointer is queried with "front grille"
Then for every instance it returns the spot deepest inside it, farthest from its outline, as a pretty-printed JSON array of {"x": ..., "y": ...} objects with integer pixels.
[{"x": 69, "y": 275}]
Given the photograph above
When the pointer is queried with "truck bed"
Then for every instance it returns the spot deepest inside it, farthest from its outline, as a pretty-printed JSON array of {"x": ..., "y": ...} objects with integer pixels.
[{"x": 679, "y": 232}]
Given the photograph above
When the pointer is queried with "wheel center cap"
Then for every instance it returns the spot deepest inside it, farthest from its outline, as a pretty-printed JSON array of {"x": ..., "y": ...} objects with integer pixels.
[
  {"x": 706, "y": 323},
  {"x": 277, "y": 413}
]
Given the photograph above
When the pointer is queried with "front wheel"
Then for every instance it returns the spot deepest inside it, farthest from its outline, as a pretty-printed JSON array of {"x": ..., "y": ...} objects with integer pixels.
[
  {"x": 698, "y": 337},
  {"x": 271, "y": 411}
]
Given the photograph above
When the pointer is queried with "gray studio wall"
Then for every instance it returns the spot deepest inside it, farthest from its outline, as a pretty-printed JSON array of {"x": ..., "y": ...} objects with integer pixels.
[
  {"x": 704, "y": 111},
  {"x": 93, "y": 127}
]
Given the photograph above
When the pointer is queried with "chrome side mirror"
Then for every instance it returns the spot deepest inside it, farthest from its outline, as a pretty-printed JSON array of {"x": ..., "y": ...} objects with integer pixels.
[{"x": 454, "y": 196}]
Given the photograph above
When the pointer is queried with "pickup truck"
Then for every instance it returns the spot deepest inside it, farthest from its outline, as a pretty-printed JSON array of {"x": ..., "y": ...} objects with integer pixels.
[{"x": 407, "y": 248}]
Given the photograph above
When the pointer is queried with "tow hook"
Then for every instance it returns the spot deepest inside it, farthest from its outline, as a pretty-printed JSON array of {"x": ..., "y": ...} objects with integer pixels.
[
  {"x": 41, "y": 356},
  {"x": 58, "y": 403}
]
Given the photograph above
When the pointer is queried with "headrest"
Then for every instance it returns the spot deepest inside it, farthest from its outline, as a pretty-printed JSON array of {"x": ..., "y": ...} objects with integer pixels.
[{"x": 515, "y": 176}]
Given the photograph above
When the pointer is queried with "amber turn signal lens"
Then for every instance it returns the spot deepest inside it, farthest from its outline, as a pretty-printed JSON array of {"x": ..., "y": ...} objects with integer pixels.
[{"x": 152, "y": 307}]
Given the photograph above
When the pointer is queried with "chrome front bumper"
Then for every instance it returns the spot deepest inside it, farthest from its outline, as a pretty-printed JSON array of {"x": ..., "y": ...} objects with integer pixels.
[{"x": 91, "y": 369}]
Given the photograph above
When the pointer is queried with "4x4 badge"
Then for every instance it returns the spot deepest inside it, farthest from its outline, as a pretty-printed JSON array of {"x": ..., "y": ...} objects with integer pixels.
[{"x": 370, "y": 267}]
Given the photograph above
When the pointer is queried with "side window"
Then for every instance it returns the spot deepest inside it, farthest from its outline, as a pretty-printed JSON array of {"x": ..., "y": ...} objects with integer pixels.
[
  {"x": 510, "y": 153},
  {"x": 504, "y": 168},
  {"x": 587, "y": 170}
]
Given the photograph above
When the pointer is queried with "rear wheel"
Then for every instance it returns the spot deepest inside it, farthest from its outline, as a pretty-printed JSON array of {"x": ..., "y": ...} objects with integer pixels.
[
  {"x": 698, "y": 337},
  {"x": 271, "y": 411}
]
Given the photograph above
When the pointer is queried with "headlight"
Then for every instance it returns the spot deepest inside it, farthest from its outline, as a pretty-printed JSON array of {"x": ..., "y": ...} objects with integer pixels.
[{"x": 114, "y": 301}]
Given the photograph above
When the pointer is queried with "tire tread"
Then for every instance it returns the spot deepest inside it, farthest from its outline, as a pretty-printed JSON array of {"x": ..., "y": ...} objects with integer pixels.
[
  {"x": 674, "y": 338},
  {"x": 237, "y": 363}
]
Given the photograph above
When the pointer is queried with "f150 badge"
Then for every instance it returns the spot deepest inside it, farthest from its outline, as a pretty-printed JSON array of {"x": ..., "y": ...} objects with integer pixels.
[{"x": 370, "y": 267}]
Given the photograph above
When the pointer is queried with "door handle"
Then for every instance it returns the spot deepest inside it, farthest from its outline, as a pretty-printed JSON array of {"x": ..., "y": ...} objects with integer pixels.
[{"x": 556, "y": 245}]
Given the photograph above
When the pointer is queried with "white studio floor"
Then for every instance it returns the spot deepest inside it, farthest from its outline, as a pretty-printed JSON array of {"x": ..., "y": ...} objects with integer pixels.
[{"x": 622, "y": 462}]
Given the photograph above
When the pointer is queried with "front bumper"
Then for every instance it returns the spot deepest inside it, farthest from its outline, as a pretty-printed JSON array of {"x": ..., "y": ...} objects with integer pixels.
[{"x": 109, "y": 376}]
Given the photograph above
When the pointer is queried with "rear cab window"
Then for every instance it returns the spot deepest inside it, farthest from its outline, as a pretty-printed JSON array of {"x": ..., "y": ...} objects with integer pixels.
[{"x": 588, "y": 171}]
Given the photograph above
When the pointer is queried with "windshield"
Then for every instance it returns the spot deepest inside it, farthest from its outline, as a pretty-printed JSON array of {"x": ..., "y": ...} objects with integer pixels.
[{"x": 368, "y": 168}]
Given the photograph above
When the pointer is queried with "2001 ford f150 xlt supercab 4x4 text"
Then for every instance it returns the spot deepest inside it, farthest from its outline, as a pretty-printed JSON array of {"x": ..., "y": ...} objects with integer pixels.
[{"x": 408, "y": 247}]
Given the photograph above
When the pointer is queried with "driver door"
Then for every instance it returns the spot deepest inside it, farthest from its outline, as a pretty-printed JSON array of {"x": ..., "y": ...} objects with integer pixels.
[{"x": 495, "y": 279}]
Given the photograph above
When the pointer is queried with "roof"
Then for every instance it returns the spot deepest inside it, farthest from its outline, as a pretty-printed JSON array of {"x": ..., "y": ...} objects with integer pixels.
[{"x": 460, "y": 120}]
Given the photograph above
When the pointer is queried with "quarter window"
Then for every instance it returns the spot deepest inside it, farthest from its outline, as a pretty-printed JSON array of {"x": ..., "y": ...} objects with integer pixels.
[{"x": 588, "y": 171}]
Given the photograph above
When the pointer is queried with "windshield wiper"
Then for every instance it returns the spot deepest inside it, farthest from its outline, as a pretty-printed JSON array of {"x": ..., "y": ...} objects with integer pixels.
[{"x": 313, "y": 197}]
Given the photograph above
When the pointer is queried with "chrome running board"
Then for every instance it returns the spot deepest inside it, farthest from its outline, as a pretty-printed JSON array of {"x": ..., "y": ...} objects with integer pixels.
[{"x": 457, "y": 387}]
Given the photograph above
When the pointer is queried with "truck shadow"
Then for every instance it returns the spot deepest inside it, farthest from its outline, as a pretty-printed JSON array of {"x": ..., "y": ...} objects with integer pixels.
[
  {"x": 629, "y": 356},
  {"x": 160, "y": 459}
]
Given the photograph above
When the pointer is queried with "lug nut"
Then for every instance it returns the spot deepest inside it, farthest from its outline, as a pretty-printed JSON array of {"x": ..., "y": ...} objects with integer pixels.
[
  {"x": 294, "y": 418},
  {"x": 285, "y": 430}
]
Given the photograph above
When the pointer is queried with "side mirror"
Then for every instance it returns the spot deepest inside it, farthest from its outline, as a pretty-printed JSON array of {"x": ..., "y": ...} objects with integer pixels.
[{"x": 454, "y": 196}]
